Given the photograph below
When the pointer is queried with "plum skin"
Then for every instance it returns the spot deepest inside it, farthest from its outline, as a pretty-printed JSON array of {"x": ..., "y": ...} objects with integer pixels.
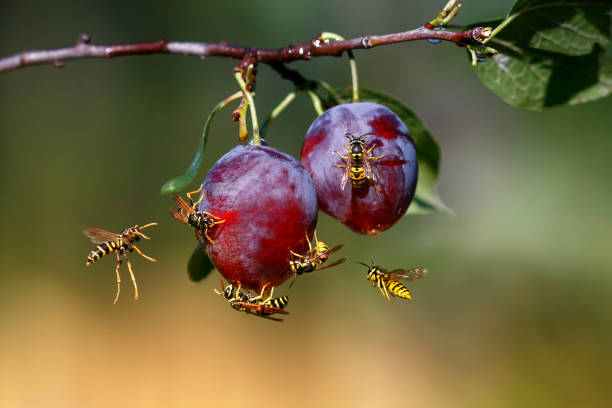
[
  {"x": 269, "y": 204},
  {"x": 364, "y": 210}
]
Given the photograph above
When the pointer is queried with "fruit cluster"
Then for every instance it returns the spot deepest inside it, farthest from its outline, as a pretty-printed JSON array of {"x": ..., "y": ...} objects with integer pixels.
[{"x": 358, "y": 164}]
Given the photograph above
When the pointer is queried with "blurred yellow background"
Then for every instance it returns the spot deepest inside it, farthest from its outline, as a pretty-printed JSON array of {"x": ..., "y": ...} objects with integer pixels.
[{"x": 514, "y": 313}]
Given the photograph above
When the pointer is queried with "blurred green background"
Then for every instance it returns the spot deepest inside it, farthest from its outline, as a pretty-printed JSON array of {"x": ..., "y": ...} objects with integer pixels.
[{"x": 516, "y": 308}]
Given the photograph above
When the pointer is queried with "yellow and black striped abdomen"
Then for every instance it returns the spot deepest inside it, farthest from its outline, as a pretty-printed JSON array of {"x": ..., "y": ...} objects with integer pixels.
[
  {"x": 357, "y": 176},
  {"x": 279, "y": 302},
  {"x": 104, "y": 248},
  {"x": 398, "y": 289}
]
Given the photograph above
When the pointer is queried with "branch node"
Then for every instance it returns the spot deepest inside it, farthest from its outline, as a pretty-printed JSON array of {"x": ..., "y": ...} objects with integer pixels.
[
  {"x": 84, "y": 39},
  {"x": 481, "y": 34},
  {"x": 365, "y": 41}
]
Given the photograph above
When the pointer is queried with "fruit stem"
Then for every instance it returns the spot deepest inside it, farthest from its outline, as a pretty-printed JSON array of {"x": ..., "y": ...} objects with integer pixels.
[
  {"x": 277, "y": 111},
  {"x": 251, "y": 103},
  {"x": 316, "y": 102},
  {"x": 240, "y": 115},
  {"x": 326, "y": 37},
  {"x": 446, "y": 15}
]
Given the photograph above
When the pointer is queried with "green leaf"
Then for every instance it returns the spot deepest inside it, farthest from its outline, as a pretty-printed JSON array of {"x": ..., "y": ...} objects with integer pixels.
[
  {"x": 551, "y": 53},
  {"x": 199, "y": 265},
  {"x": 426, "y": 198},
  {"x": 180, "y": 182}
]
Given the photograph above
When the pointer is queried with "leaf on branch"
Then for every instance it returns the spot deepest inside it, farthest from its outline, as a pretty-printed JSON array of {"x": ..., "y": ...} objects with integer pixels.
[
  {"x": 180, "y": 182},
  {"x": 199, "y": 265},
  {"x": 551, "y": 53},
  {"x": 426, "y": 198}
]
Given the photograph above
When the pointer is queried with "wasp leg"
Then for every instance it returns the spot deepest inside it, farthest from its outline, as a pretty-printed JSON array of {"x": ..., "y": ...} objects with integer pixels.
[
  {"x": 260, "y": 296},
  {"x": 263, "y": 302},
  {"x": 193, "y": 205},
  {"x": 199, "y": 238},
  {"x": 297, "y": 255},
  {"x": 208, "y": 238},
  {"x": 293, "y": 281},
  {"x": 372, "y": 157},
  {"x": 315, "y": 238},
  {"x": 376, "y": 186},
  {"x": 148, "y": 258},
  {"x": 118, "y": 280},
  {"x": 341, "y": 156},
  {"x": 237, "y": 292},
  {"x": 308, "y": 240},
  {"x": 136, "y": 296},
  {"x": 220, "y": 221},
  {"x": 152, "y": 224},
  {"x": 383, "y": 288}
]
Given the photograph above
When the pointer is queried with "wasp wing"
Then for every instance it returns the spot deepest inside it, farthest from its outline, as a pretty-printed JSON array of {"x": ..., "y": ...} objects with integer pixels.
[
  {"x": 408, "y": 274},
  {"x": 345, "y": 174},
  {"x": 373, "y": 173},
  {"x": 338, "y": 262},
  {"x": 325, "y": 254},
  {"x": 182, "y": 205},
  {"x": 261, "y": 309},
  {"x": 98, "y": 235},
  {"x": 179, "y": 216}
]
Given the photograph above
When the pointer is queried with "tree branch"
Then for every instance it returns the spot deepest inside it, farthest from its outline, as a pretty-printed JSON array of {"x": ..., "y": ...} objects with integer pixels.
[{"x": 305, "y": 51}]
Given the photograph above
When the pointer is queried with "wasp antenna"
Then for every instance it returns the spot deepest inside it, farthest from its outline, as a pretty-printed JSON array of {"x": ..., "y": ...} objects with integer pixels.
[
  {"x": 367, "y": 134},
  {"x": 152, "y": 224},
  {"x": 362, "y": 263}
]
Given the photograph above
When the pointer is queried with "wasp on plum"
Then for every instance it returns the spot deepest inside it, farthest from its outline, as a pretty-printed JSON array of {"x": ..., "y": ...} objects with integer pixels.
[
  {"x": 314, "y": 259},
  {"x": 387, "y": 282},
  {"x": 358, "y": 164},
  {"x": 256, "y": 305},
  {"x": 121, "y": 244},
  {"x": 202, "y": 221}
]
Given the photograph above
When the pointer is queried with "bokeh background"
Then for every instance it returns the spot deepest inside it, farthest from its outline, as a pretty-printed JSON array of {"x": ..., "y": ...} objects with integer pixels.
[{"x": 516, "y": 310}]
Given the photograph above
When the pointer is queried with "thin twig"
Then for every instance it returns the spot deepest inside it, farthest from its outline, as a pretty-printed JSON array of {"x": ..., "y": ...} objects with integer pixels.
[{"x": 305, "y": 51}]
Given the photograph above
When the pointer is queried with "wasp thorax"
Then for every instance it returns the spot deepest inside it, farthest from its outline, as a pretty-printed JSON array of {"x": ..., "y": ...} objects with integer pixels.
[{"x": 194, "y": 220}]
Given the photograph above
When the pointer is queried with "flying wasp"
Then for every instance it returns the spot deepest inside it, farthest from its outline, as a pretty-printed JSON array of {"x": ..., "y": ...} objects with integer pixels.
[
  {"x": 202, "y": 221},
  {"x": 256, "y": 305},
  {"x": 387, "y": 282},
  {"x": 358, "y": 166},
  {"x": 314, "y": 259},
  {"x": 121, "y": 244}
]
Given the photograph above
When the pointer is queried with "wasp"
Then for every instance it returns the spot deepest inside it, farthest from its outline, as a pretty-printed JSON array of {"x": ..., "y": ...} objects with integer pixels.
[
  {"x": 358, "y": 166},
  {"x": 314, "y": 259},
  {"x": 256, "y": 305},
  {"x": 388, "y": 282},
  {"x": 202, "y": 221},
  {"x": 121, "y": 244}
]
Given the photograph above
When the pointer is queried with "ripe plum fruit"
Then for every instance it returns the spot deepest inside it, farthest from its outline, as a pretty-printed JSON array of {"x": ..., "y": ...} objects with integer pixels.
[
  {"x": 364, "y": 208},
  {"x": 269, "y": 204}
]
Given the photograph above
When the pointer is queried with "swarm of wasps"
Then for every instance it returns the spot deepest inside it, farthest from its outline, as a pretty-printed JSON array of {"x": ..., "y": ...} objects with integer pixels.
[{"x": 359, "y": 167}]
